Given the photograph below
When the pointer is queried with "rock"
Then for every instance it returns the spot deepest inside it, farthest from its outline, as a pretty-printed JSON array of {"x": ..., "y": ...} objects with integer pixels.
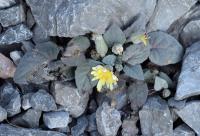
[
  {"x": 67, "y": 95},
  {"x": 137, "y": 94},
  {"x": 12, "y": 16},
  {"x": 43, "y": 101},
  {"x": 188, "y": 81},
  {"x": 167, "y": 12},
  {"x": 155, "y": 118},
  {"x": 56, "y": 119},
  {"x": 3, "y": 114},
  {"x": 160, "y": 84},
  {"x": 129, "y": 127},
  {"x": 26, "y": 101},
  {"x": 16, "y": 56},
  {"x": 29, "y": 119},
  {"x": 92, "y": 107},
  {"x": 7, "y": 68},
  {"x": 80, "y": 126},
  {"x": 108, "y": 120},
  {"x": 176, "y": 104},
  {"x": 190, "y": 35},
  {"x": 39, "y": 34},
  {"x": 7, "y": 3},
  {"x": 190, "y": 115},
  {"x": 183, "y": 130},
  {"x": 15, "y": 34},
  {"x": 94, "y": 133},
  {"x": 10, "y": 99},
  {"x": 71, "y": 18},
  {"x": 7, "y": 130},
  {"x": 92, "y": 126},
  {"x": 30, "y": 21}
]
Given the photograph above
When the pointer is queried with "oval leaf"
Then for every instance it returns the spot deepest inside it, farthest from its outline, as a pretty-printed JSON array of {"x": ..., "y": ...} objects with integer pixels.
[{"x": 134, "y": 72}]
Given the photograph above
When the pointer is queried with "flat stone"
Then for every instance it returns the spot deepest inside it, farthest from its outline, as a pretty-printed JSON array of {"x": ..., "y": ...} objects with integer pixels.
[
  {"x": 15, "y": 34},
  {"x": 56, "y": 119},
  {"x": 10, "y": 99},
  {"x": 80, "y": 127},
  {"x": 108, "y": 120},
  {"x": 67, "y": 95},
  {"x": 8, "y": 130},
  {"x": 3, "y": 114},
  {"x": 72, "y": 18},
  {"x": 29, "y": 119},
  {"x": 26, "y": 101},
  {"x": 7, "y": 3},
  {"x": 190, "y": 115},
  {"x": 12, "y": 16},
  {"x": 155, "y": 118},
  {"x": 168, "y": 11},
  {"x": 43, "y": 101},
  {"x": 183, "y": 130},
  {"x": 189, "y": 79}
]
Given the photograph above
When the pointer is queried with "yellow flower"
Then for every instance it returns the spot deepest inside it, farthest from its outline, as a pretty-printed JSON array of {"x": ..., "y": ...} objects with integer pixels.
[
  {"x": 105, "y": 77},
  {"x": 140, "y": 38}
]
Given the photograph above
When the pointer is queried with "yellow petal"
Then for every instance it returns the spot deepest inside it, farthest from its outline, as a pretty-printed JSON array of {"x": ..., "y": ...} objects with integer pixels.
[{"x": 100, "y": 85}]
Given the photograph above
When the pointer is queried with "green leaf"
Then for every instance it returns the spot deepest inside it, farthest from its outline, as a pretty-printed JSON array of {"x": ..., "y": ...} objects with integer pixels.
[
  {"x": 80, "y": 41},
  {"x": 100, "y": 45},
  {"x": 109, "y": 60},
  {"x": 160, "y": 84},
  {"x": 134, "y": 72},
  {"x": 114, "y": 35},
  {"x": 165, "y": 49}
]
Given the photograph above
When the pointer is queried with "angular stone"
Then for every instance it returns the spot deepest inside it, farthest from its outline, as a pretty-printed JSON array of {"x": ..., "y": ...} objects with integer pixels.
[
  {"x": 15, "y": 34},
  {"x": 3, "y": 114},
  {"x": 56, "y": 119},
  {"x": 190, "y": 115},
  {"x": 43, "y": 101},
  {"x": 71, "y": 18},
  {"x": 10, "y": 99},
  {"x": 29, "y": 119},
  {"x": 108, "y": 120},
  {"x": 168, "y": 11},
  {"x": 189, "y": 81},
  {"x": 39, "y": 34},
  {"x": 12, "y": 16},
  {"x": 80, "y": 127},
  {"x": 67, "y": 95},
  {"x": 155, "y": 118},
  {"x": 7, "y": 130},
  {"x": 30, "y": 21},
  {"x": 26, "y": 101},
  {"x": 129, "y": 127},
  {"x": 16, "y": 56},
  {"x": 183, "y": 130},
  {"x": 7, "y": 3}
]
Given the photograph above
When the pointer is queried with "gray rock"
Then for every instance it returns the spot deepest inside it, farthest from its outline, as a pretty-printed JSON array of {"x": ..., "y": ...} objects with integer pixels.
[
  {"x": 7, "y": 130},
  {"x": 183, "y": 130},
  {"x": 190, "y": 34},
  {"x": 80, "y": 126},
  {"x": 39, "y": 34},
  {"x": 26, "y": 101},
  {"x": 67, "y": 95},
  {"x": 155, "y": 118},
  {"x": 30, "y": 21},
  {"x": 12, "y": 16},
  {"x": 176, "y": 104},
  {"x": 15, "y": 34},
  {"x": 16, "y": 56},
  {"x": 108, "y": 120},
  {"x": 10, "y": 99},
  {"x": 188, "y": 81},
  {"x": 129, "y": 127},
  {"x": 92, "y": 125},
  {"x": 7, "y": 3},
  {"x": 71, "y": 18},
  {"x": 190, "y": 115},
  {"x": 43, "y": 101},
  {"x": 168, "y": 11},
  {"x": 3, "y": 114},
  {"x": 29, "y": 119},
  {"x": 56, "y": 119},
  {"x": 94, "y": 133}
]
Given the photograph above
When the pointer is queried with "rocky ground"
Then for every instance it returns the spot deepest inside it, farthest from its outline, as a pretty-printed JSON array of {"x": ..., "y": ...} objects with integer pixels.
[{"x": 48, "y": 49}]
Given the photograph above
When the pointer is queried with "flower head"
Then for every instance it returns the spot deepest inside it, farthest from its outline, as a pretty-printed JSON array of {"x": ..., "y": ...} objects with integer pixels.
[
  {"x": 105, "y": 77},
  {"x": 140, "y": 38}
]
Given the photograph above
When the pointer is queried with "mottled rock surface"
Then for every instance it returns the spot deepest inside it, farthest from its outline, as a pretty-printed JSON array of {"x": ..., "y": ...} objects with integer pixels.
[
  {"x": 189, "y": 81},
  {"x": 183, "y": 130},
  {"x": 7, "y": 130},
  {"x": 80, "y": 126},
  {"x": 71, "y": 18},
  {"x": 56, "y": 119},
  {"x": 129, "y": 127},
  {"x": 155, "y": 118},
  {"x": 190, "y": 115},
  {"x": 3, "y": 114},
  {"x": 26, "y": 101},
  {"x": 108, "y": 120},
  {"x": 12, "y": 16},
  {"x": 15, "y": 34},
  {"x": 6, "y": 3}
]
